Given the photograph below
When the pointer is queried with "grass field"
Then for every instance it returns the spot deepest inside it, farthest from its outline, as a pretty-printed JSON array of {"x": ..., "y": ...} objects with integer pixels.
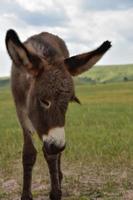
[{"x": 98, "y": 160}]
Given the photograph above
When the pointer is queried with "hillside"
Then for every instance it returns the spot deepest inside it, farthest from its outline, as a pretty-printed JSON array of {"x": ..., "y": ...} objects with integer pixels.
[
  {"x": 110, "y": 73},
  {"x": 4, "y": 81},
  {"x": 99, "y": 74}
]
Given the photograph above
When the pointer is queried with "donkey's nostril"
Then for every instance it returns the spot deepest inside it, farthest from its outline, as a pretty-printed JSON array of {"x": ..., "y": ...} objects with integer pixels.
[
  {"x": 56, "y": 149},
  {"x": 52, "y": 148}
]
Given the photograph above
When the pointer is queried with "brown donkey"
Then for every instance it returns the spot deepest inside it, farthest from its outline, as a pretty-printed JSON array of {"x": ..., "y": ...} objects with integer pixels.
[{"x": 42, "y": 87}]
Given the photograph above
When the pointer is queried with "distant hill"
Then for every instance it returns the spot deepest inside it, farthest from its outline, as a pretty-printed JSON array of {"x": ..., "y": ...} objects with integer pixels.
[
  {"x": 4, "y": 81},
  {"x": 98, "y": 74},
  {"x": 110, "y": 73}
]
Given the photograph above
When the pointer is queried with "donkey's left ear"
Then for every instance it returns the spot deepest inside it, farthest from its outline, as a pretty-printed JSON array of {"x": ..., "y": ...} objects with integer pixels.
[{"x": 81, "y": 63}]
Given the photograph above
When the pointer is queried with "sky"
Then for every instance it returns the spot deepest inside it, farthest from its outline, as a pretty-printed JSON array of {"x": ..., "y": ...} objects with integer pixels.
[{"x": 83, "y": 24}]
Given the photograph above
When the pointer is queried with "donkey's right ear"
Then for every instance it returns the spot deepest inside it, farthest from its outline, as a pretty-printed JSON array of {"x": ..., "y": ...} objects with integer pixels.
[
  {"x": 20, "y": 54},
  {"x": 16, "y": 50}
]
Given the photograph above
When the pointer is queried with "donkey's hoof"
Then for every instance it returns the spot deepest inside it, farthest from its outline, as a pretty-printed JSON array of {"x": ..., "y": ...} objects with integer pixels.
[
  {"x": 27, "y": 197},
  {"x": 55, "y": 195}
]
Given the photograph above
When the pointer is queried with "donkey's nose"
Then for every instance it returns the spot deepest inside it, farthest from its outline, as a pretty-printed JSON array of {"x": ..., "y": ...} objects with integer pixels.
[
  {"x": 52, "y": 148},
  {"x": 54, "y": 142}
]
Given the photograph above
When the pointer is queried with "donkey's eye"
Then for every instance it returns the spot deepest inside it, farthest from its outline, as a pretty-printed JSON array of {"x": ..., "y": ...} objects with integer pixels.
[{"x": 45, "y": 103}]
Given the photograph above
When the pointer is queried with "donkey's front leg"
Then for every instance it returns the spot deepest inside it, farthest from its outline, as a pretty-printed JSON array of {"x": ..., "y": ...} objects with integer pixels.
[
  {"x": 52, "y": 161},
  {"x": 59, "y": 169},
  {"x": 29, "y": 158}
]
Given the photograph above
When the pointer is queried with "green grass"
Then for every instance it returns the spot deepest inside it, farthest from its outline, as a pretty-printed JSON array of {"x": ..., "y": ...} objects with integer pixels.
[
  {"x": 102, "y": 126},
  {"x": 98, "y": 159}
]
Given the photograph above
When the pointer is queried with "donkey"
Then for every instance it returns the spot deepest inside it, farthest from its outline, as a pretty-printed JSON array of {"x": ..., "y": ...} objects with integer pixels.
[{"x": 42, "y": 87}]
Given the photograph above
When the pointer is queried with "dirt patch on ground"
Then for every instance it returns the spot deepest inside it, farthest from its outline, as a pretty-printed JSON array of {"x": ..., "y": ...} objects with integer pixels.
[{"x": 79, "y": 183}]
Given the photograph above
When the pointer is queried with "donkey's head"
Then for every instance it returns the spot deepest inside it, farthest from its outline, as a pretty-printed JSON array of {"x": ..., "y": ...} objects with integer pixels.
[{"x": 51, "y": 88}]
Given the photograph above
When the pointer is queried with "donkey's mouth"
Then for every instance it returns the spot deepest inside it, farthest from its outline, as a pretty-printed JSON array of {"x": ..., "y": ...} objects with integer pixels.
[{"x": 54, "y": 141}]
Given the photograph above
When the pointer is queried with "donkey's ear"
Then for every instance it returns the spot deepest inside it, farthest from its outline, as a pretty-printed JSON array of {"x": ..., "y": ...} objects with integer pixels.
[
  {"x": 19, "y": 53},
  {"x": 16, "y": 49},
  {"x": 81, "y": 63}
]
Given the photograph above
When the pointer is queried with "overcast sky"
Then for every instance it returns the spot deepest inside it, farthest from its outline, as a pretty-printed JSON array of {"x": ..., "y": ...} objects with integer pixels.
[{"x": 83, "y": 24}]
